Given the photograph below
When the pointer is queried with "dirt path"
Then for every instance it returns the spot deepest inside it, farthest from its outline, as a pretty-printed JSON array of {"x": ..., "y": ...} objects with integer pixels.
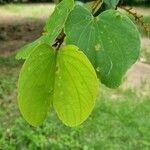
[
  {"x": 14, "y": 33},
  {"x": 21, "y": 24},
  {"x": 138, "y": 75}
]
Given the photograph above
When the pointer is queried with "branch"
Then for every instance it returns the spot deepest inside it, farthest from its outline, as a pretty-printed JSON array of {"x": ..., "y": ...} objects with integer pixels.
[
  {"x": 138, "y": 19},
  {"x": 59, "y": 40},
  {"x": 97, "y": 4}
]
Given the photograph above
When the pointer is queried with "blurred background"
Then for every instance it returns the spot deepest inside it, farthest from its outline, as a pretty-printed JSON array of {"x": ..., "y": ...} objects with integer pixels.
[{"x": 121, "y": 117}]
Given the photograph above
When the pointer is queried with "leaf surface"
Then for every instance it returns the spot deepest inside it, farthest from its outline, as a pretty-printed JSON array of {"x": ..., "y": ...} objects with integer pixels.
[
  {"x": 76, "y": 86},
  {"x": 111, "y": 4},
  {"x": 36, "y": 83},
  {"x": 26, "y": 50},
  {"x": 111, "y": 41},
  {"x": 52, "y": 28},
  {"x": 65, "y": 79},
  {"x": 56, "y": 21}
]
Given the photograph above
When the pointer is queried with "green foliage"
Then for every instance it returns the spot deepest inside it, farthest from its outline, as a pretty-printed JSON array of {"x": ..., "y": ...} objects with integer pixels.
[
  {"x": 76, "y": 86},
  {"x": 51, "y": 30},
  {"x": 48, "y": 77},
  {"x": 120, "y": 120},
  {"x": 25, "y": 51},
  {"x": 54, "y": 26},
  {"x": 63, "y": 77},
  {"x": 105, "y": 43},
  {"x": 111, "y": 3},
  {"x": 119, "y": 123},
  {"x": 36, "y": 84}
]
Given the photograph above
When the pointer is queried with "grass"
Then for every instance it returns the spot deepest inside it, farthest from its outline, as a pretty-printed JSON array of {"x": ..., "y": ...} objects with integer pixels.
[
  {"x": 120, "y": 121},
  {"x": 29, "y": 10}
]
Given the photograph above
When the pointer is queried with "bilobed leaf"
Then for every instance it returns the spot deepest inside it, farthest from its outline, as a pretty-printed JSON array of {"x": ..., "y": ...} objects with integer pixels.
[
  {"x": 111, "y": 41},
  {"x": 36, "y": 83},
  {"x": 76, "y": 86},
  {"x": 65, "y": 79},
  {"x": 52, "y": 29}
]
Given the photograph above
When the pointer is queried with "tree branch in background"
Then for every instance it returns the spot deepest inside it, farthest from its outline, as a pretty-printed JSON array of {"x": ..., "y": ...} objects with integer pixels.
[
  {"x": 96, "y": 5},
  {"x": 138, "y": 19}
]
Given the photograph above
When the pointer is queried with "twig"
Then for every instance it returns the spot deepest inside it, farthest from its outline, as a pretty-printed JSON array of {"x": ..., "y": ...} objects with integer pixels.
[
  {"x": 138, "y": 19},
  {"x": 59, "y": 40},
  {"x": 97, "y": 4}
]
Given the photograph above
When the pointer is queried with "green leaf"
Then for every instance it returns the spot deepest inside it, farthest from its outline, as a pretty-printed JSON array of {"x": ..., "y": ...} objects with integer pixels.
[
  {"x": 52, "y": 29},
  {"x": 56, "y": 21},
  {"x": 111, "y": 41},
  {"x": 111, "y": 4},
  {"x": 36, "y": 83},
  {"x": 66, "y": 79},
  {"x": 25, "y": 51},
  {"x": 76, "y": 86}
]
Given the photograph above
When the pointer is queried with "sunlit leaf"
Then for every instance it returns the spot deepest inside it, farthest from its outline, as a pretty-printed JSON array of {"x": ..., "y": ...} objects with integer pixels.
[
  {"x": 36, "y": 83},
  {"x": 76, "y": 86},
  {"x": 58, "y": 18},
  {"x": 25, "y": 51},
  {"x": 65, "y": 79},
  {"x": 52, "y": 29}
]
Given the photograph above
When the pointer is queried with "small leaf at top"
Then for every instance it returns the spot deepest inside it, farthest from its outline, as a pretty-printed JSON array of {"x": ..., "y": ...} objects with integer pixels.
[
  {"x": 52, "y": 29},
  {"x": 111, "y": 4},
  {"x": 56, "y": 21},
  {"x": 111, "y": 41}
]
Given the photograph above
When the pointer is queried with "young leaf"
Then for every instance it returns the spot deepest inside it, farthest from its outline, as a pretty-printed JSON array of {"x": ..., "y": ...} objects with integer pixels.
[
  {"x": 111, "y": 41},
  {"x": 52, "y": 29},
  {"x": 36, "y": 83},
  {"x": 56, "y": 21},
  {"x": 111, "y": 4},
  {"x": 66, "y": 79},
  {"x": 76, "y": 86},
  {"x": 25, "y": 51}
]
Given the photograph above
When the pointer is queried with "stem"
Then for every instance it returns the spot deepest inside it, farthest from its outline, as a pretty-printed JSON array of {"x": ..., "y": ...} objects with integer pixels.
[
  {"x": 138, "y": 19},
  {"x": 59, "y": 40},
  {"x": 96, "y": 6}
]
